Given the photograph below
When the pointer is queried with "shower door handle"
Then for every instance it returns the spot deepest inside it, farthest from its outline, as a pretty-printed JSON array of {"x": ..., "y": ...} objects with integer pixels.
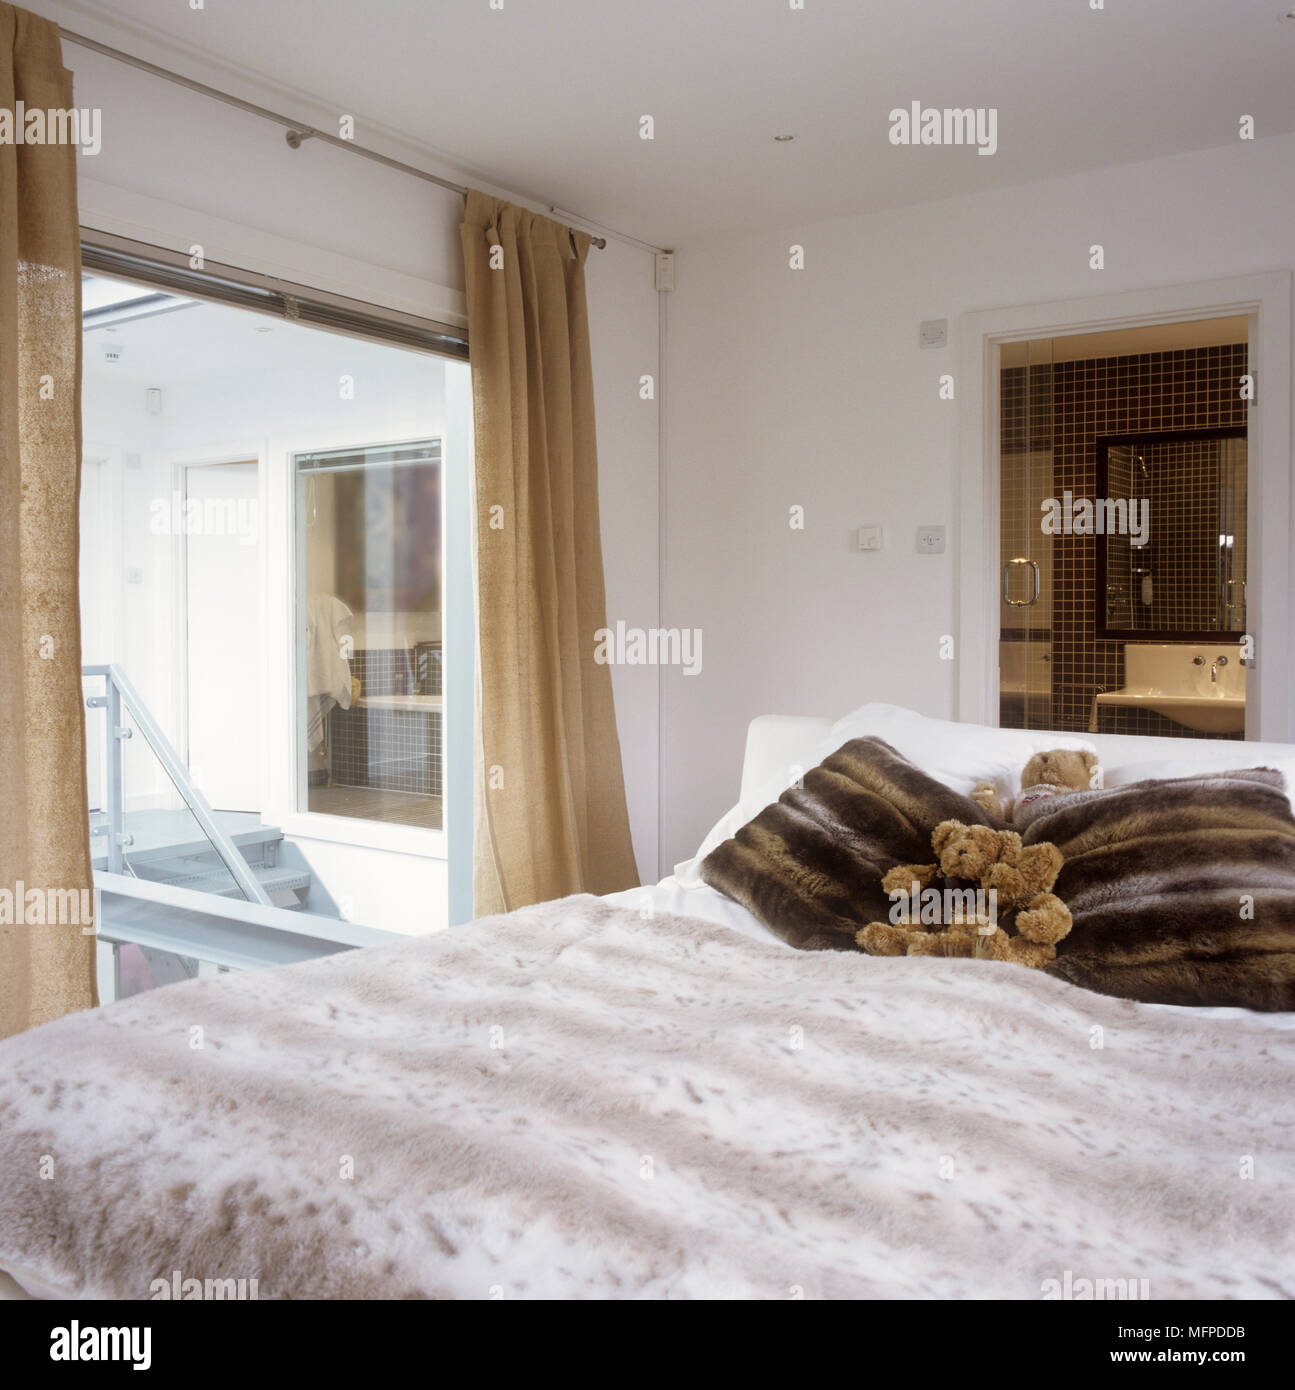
[{"x": 1007, "y": 573}]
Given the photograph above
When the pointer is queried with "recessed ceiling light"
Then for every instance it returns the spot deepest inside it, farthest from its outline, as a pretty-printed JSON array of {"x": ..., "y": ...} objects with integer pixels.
[
  {"x": 783, "y": 139},
  {"x": 262, "y": 328}
]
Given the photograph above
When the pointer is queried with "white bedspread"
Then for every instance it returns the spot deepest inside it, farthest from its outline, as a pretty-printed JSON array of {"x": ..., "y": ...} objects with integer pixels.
[{"x": 574, "y": 1101}]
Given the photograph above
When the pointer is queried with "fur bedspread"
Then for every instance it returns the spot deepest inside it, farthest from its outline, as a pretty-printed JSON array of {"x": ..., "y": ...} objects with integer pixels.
[
  {"x": 1182, "y": 892},
  {"x": 569, "y": 1101}
]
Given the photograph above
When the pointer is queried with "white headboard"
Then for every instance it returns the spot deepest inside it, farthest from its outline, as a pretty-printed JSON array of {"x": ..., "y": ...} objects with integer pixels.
[{"x": 775, "y": 742}]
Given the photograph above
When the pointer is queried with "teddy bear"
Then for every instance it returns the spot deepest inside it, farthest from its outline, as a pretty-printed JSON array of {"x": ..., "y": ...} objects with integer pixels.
[
  {"x": 996, "y": 859},
  {"x": 1052, "y": 773},
  {"x": 1020, "y": 878}
]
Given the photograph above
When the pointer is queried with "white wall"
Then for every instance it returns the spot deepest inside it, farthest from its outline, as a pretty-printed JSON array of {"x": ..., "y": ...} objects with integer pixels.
[
  {"x": 808, "y": 388},
  {"x": 623, "y": 336},
  {"x": 177, "y": 169}
]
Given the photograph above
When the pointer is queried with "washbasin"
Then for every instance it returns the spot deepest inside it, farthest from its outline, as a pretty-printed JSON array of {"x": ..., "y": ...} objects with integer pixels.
[{"x": 1200, "y": 687}]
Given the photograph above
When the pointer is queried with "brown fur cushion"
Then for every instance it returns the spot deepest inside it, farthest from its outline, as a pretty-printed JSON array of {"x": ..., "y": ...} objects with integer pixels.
[
  {"x": 810, "y": 866},
  {"x": 1182, "y": 892}
]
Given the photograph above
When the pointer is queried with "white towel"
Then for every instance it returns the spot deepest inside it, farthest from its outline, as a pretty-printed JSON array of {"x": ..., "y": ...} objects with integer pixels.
[{"x": 328, "y": 672}]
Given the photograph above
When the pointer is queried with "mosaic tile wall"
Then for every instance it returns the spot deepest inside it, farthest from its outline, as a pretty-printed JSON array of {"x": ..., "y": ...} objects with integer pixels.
[
  {"x": 385, "y": 672},
  {"x": 1064, "y": 408},
  {"x": 394, "y": 750},
  {"x": 391, "y": 749},
  {"x": 1182, "y": 585}
]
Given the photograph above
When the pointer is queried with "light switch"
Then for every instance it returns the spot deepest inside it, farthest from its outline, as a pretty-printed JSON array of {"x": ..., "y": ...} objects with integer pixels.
[
  {"x": 933, "y": 333},
  {"x": 930, "y": 540},
  {"x": 867, "y": 538}
]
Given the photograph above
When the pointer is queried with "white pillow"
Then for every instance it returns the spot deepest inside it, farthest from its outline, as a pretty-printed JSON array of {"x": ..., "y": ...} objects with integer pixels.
[
  {"x": 961, "y": 756},
  {"x": 689, "y": 872}
]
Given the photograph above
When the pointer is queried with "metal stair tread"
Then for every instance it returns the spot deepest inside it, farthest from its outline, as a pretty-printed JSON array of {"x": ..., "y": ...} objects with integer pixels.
[
  {"x": 219, "y": 881},
  {"x": 246, "y": 840}
]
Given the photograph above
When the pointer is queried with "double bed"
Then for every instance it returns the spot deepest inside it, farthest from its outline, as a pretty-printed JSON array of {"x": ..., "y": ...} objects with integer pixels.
[{"x": 651, "y": 1095}]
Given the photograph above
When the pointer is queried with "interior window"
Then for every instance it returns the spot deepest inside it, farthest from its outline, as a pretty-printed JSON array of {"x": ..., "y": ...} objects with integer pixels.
[{"x": 371, "y": 697}]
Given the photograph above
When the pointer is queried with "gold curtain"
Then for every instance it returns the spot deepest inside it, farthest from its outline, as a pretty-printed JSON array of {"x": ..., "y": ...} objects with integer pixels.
[
  {"x": 45, "y": 969},
  {"x": 550, "y": 792}
]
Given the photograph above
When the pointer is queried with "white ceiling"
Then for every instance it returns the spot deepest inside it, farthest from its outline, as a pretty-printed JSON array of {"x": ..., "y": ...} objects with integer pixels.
[{"x": 545, "y": 98}]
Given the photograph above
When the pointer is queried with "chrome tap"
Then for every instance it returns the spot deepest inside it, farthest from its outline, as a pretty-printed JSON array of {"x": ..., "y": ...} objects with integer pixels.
[{"x": 1214, "y": 668}]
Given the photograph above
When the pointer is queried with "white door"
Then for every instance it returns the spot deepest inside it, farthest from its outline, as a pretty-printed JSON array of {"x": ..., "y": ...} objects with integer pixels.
[{"x": 222, "y": 617}]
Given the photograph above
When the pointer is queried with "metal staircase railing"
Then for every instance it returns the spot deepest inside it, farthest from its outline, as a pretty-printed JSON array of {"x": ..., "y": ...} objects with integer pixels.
[
  {"x": 206, "y": 925},
  {"x": 119, "y": 694}
]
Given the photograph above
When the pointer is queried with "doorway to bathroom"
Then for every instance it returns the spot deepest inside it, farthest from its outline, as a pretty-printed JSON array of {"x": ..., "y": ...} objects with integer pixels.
[
  {"x": 1123, "y": 530},
  {"x": 987, "y": 339}
]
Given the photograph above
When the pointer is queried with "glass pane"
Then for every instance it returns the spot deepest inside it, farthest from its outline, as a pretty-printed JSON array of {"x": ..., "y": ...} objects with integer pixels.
[
  {"x": 1233, "y": 501},
  {"x": 138, "y": 968},
  {"x": 197, "y": 571},
  {"x": 1027, "y": 481},
  {"x": 163, "y": 840},
  {"x": 143, "y": 967},
  {"x": 1130, "y": 586},
  {"x": 1179, "y": 564},
  {"x": 371, "y": 702}
]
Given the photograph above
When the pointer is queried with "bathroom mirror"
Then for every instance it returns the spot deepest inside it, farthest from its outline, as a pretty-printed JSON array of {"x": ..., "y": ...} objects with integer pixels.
[{"x": 1169, "y": 520}]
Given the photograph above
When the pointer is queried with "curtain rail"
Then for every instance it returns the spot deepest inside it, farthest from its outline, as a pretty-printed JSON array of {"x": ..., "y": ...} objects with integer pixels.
[{"x": 297, "y": 131}]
